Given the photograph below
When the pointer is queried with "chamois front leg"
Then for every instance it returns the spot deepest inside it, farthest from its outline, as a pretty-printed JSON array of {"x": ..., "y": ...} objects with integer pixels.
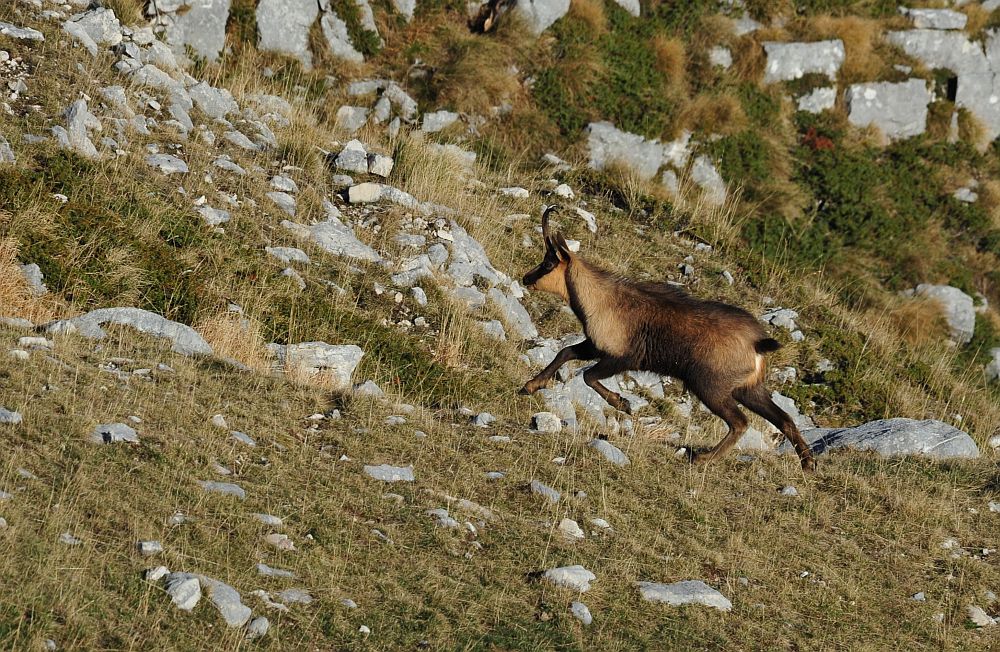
[
  {"x": 605, "y": 368},
  {"x": 585, "y": 350}
]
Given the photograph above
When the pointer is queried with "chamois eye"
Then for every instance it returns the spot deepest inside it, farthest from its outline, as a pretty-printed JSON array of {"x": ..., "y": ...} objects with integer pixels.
[{"x": 548, "y": 265}]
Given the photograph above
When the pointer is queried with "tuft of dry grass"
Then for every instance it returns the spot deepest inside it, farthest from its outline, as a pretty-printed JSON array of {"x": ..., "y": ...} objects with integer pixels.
[
  {"x": 16, "y": 296},
  {"x": 671, "y": 60},
  {"x": 714, "y": 113},
  {"x": 861, "y": 37},
  {"x": 972, "y": 130},
  {"x": 591, "y": 12},
  {"x": 978, "y": 18},
  {"x": 919, "y": 320},
  {"x": 129, "y": 12},
  {"x": 233, "y": 335}
]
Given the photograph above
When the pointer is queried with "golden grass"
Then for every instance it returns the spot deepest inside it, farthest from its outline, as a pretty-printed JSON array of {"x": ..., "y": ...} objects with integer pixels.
[
  {"x": 972, "y": 130},
  {"x": 671, "y": 60},
  {"x": 236, "y": 336},
  {"x": 919, "y": 320},
  {"x": 978, "y": 18},
  {"x": 591, "y": 12},
  {"x": 714, "y": 113},
  {"x": 860, "y": 37},
  {"x": 16, "y": 296}
]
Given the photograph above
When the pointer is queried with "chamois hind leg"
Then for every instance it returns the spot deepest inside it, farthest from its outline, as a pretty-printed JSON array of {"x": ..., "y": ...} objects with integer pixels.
[
  {"x": 725, "y": 407},
  {"x": 605, "y": 368},
  {"x": 584, "y": 350},
  {"x": 758, "y": 399}
]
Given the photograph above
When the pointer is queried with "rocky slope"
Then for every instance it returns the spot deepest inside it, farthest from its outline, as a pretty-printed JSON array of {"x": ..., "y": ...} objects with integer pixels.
[{"x": 263, "y": 334}]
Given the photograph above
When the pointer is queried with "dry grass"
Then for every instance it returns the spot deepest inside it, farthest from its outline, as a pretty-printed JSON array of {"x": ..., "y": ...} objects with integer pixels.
[
  {"x": 860, "y": 36},
  {"x": 978, "y": 18},
  {"x": 591, "y": 12},
  {"x": 920, "y": 321},
  {"x": 236, "y": 336},
  {"x": 972, "y": 130},
  {"x": 714, "y": 113},
  {"x": 671, "y": 60},
  {"x": 16, "y": 296}
]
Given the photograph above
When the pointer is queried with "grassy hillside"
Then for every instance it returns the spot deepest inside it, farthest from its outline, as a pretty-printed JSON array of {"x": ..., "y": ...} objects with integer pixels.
[{"x": 833, "y": 232}]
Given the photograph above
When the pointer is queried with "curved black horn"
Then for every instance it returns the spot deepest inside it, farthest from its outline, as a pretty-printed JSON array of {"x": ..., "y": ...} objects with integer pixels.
[{"x": 545, "y": 220}]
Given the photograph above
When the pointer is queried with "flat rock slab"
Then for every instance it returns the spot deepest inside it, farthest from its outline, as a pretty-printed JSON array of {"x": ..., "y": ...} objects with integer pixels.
[
  {"x": 186, "y": 340},
  {"x": 283, "y": 26},
  {"x": 335, "y": 237},
  {"x": 20, "y": 33},
  {"x": 184, "y": 590},
  {"x": 389, "y": 473},
  {"x": 111, "y": 433},
  {"x": 610, "y": 452},
  {"x": 574, "y": 577},
  {"x": 227, "y": 600},
  {"x": 686, "y": 592},
  {"x": 787, "y": 61},
  {"x": 316, "y": 361},
  {"x": 226, "y": 488},
  {"x": 898, "y": 110},
  {"x": 894, "y": 437}
]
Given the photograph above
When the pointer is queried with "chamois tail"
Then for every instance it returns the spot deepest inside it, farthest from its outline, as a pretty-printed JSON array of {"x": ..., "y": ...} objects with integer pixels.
[{"x": 767, "y": 345}]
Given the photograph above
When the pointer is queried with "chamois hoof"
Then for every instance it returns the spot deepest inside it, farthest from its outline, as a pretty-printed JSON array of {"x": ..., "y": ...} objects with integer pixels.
[
  {"x": 700, "y": 458},
  {"x": 526, "y": 391},
  {"x": 808, "y": 463}
]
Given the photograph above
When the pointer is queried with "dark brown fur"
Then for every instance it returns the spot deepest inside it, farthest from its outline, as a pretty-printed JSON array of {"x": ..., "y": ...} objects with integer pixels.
[{"x": 714, "y": 348}]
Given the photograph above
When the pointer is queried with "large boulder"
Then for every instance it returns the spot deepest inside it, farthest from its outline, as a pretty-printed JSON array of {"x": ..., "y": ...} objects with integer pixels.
[
  {"x": 894, "y": 437},
  {"x": 787, "y": 61},
  {"x": 95, "y": 28},
  {"x": 898, "y": 110},
  {"x": 186, "y": 340},
  {"x": 959, "y": 309},
  {"x": 539, "y": 15},
  {"x": 283, "y": 26},
  {"x": 609, "y": 145},
  {"x": 201, "y": 26},
  {"x": 319, "y": 362}
]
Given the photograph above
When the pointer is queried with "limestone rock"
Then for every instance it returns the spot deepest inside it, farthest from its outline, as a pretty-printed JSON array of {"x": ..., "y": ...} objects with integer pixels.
[
  {"x": 184, "y": 590},
  {"x": 682, "y": 593},
  {"x": 389, "y": 473},
  {"x": 608, "y": 145},
  {"x": 186, "y": 340},
  {"x": 574, "y": 577},
  {"x": 20, "y": 33},
  {"x": 94, "y": 28},
  {"x": 609, "y": 451},
  {"x": 227, "y": 600},
  {"x": 317, "y": 361},
  {"x": 167, "y": 163},
  {"x": 438, "y": 121},
  {"x": 283, "y": 26},
  {"x": 79, "y": 123},
  {"x": 202, "y": 27},
  {"x": 894, "y": 437},
  {"x": 224, "y": 488},
  {"x": 898, "y": 110},
  {"x": 110, "y": 433},
  {"x": 819, "y": 100},
  {"x": 959, "y": 309},
  {"x": 334, "y": 237},
  {"x": 539, "y": 15},
  {"x": 787, "y": 61},
  {"x": 993, "y": 366},
  {"x": 935, "y": 18},
  {"x": 337, "y": 37},
  {"x": 514, "y": 314}
]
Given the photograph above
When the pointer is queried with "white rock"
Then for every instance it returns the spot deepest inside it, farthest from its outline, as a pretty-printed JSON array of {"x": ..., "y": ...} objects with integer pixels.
[
  {"x": 110, "y": 433},
  {"x": 609, "y": 451},
  {"x": 571, "y": 529},
  {"x": 546, "y": 422},
  {"x": 686, "y": 592},
  {"x": 184, "y": 590},
  {"x": 545, "y": 491},
  {"x": 167, "y": 163},
  {"x": 149, "y": 548},
  {"x": 389, "y": 473},
  {"x": 581, "y": 613},
  {"x": 574, "y": 577}
]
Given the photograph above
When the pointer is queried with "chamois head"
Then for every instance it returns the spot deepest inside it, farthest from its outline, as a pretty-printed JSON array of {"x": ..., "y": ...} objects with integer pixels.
[{"x": 550, "y": 275}]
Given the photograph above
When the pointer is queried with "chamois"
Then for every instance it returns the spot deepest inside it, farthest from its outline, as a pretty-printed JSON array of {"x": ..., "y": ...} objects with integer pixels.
[{"x": 717, "y": 350}]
